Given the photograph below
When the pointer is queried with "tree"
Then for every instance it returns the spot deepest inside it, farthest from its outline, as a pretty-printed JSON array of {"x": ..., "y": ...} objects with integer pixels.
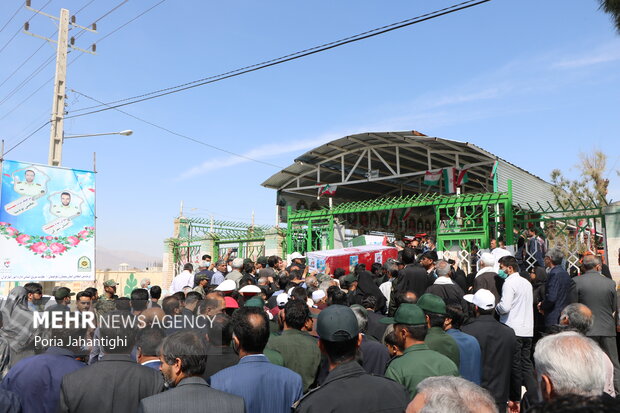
[
  {"x": 590, "y": 189},
  {"x": 612, "y": 7}
]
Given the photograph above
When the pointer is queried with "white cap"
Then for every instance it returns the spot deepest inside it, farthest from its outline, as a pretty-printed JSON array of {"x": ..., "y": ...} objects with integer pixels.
[
  {"x": 282, "y": 299},
  {"x": 318, "y": 295},
  {"x": 250, "y": 289},
  {"x": 290, "y": 290},
  {"x": 483, "y": 299},
  {"x": 227, "y": 285},
  {"x": 296, "y": 255}
]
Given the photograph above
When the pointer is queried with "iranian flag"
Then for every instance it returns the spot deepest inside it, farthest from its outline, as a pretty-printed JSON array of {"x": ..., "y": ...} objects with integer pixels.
[
  {"x": 327, "y": 190},
  {"x": 432, "y": 177},
  {"x": 405, "y": 214},
  {"x": 449, "y": 180},
  {"x": 462, "y": 177}
]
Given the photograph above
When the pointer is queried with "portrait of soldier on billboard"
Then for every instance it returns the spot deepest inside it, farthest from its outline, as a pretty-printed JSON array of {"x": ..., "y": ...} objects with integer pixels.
[
  {"x": 66, "y": 205},
  {"x": 29, "y": 186}
]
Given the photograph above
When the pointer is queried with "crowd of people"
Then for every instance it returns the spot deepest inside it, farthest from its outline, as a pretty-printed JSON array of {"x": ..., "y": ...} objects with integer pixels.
[{"x": 414, "y": 334}]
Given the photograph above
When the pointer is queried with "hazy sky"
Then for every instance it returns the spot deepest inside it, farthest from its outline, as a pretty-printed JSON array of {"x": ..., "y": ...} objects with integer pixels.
[{"x": 531, "y": 81}]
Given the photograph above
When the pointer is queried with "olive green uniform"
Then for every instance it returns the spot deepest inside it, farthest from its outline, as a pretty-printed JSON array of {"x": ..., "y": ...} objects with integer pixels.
[
  {"x": 300, "y": 353},
  {"x": 417, "y": 363},
  {"x": 438, "y": 340}
]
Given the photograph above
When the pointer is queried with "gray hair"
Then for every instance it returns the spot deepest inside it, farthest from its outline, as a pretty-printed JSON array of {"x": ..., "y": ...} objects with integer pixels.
[
  {"x": 578, "y": 316},
  {"x": 590, "y": 262},
  {"x": 555, "y": 255},
  {"x": 311, "y": 281},
  {"x": 572, "y": 362},
  {"x": 325, "y": 285},
  {"x": 263, "y": 281},
  {"x": 442, "y": 267},
  {"x": 362, "y": 317},
  {"x": 144, "y": 282},
  {"x": 447, "y": 394}
]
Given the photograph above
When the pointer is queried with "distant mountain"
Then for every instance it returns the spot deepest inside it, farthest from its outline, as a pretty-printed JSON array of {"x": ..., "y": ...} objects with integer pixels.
[{"x": 112, "y": 259}]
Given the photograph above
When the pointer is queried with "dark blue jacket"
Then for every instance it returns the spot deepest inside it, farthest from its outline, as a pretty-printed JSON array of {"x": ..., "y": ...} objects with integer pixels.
[
  {"x": 469, "y": 350},
  {"x": 559, "y": 292},
  {"x": 265, "y": 387},
  {"x": 36, "y": 380}
]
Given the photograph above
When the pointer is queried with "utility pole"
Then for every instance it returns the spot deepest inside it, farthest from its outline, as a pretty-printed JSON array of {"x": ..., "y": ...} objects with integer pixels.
[{"x": 60, "y": 80}]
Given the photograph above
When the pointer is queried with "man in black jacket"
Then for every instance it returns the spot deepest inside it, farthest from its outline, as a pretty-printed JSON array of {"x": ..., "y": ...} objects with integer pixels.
[
  {"x": 116, "y": 383},
  {"x": 445, "y": 287},
  {"x": 348, "y": 388},
  {"x": 413, "y": 277},
  {"x": 498, "y": 344}
]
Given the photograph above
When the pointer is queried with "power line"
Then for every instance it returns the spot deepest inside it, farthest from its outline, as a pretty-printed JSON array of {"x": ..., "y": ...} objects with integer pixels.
[
  {"x": 189, "y": 138},
  {"x": 18, "y": 30},
  {"x": 81, "y": 54},
  {"x": 27, "y": 79},
  {"x": 293, "y": 56},
  {"x": 27, "y": 137},
  {"x": 11, "y": 18}
]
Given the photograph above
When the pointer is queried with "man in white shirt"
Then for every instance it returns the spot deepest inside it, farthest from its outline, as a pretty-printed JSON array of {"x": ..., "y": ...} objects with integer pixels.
[
  {"x": 186, "y": 278},
  {"x": 516, "y": 310}
]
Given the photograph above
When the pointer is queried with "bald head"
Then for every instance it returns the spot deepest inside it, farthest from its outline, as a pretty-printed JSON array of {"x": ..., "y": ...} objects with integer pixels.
[
  {"x": 212, "y": 305},
  {"x": 577, "y": 316},
  {"x": 150, "y": 314}
]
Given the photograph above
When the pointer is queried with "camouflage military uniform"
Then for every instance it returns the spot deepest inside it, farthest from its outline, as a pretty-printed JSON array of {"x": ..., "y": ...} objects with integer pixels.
[{"x": 105, "y": 305}]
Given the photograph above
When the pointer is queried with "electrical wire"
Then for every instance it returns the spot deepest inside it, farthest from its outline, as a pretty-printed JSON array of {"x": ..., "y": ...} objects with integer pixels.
[
  {"x": 81, "y": 54},
  {"x": 293, "y": 56},
  {"x": 19, "y": 30},
  {"x": 189, "y": 138},
  {"x": 27, "y": 137},
  {"x": 11, "y": 18}
]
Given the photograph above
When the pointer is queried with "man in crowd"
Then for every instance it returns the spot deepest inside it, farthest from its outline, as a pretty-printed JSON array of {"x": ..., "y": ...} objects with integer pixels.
[
  {"x": 145, "y": 283},
  {"x": 578, "y": 317},
  {"x": 469, "y": 349},
  {"x": 186, "y": 278},
  {"x": 436, "y": 338},
  {"x": 36, "y": 380},
  {"x": 148, "y": 345},
  {"x": 220, "y": 273},
  {"x": 598, "y": 293},
  {"x": 486, "y": 277},
  {"x": 155, "y": 294},
  {"x": 139, "y": 300},
  {"x": 516, "y": 310},
  {"x": 418, "y": 361},
  {"x": 35, "y": 293},
  {"x": 348, "y": 388},
  {"x": 106, "y": 303},
  {"x": 298, "y": 348},
  {"x": 413, "y": 277},
  {"x": 116, "y": 373},
  {"x": 220, "y": 353},
  {"x": 235, "y": 274},
  {"x": 443, "y": 286},
  {"x": 498, "y": 345},
  {"x": 184, "y": 356},
  {"x": 254, "y": 378},
  {"x": 83, "y": 301},
  {"x": 374, "y": 356},
  {"x": 569, "y": 363},
  {"x": 451, "y": 394},
  {"x": 63, "y": 299},
  {"x": 203, "y": 281},
  {"x": 559, "y": 288}
]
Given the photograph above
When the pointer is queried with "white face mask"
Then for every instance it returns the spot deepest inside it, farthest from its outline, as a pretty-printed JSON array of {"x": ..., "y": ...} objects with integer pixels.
[
  {"x": 205, "y": 263},
  {"x": 228, "y": 268}
]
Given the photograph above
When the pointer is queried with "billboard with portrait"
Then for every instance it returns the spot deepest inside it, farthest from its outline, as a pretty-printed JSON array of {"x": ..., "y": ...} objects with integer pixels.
[{"x": 47, "y": 223}]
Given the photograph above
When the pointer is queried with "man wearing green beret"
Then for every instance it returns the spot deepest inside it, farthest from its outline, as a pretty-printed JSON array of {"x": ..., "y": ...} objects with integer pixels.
[
  {"x": 418, "y": 361},
  {"x": 107, "y": 302},
  {"x": 348, "y": 387},
  {"x": 437, "y": 339}
]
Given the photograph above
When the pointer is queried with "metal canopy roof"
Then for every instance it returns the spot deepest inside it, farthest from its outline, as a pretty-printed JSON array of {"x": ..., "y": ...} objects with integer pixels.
[{"x": 382, "y": 164}]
